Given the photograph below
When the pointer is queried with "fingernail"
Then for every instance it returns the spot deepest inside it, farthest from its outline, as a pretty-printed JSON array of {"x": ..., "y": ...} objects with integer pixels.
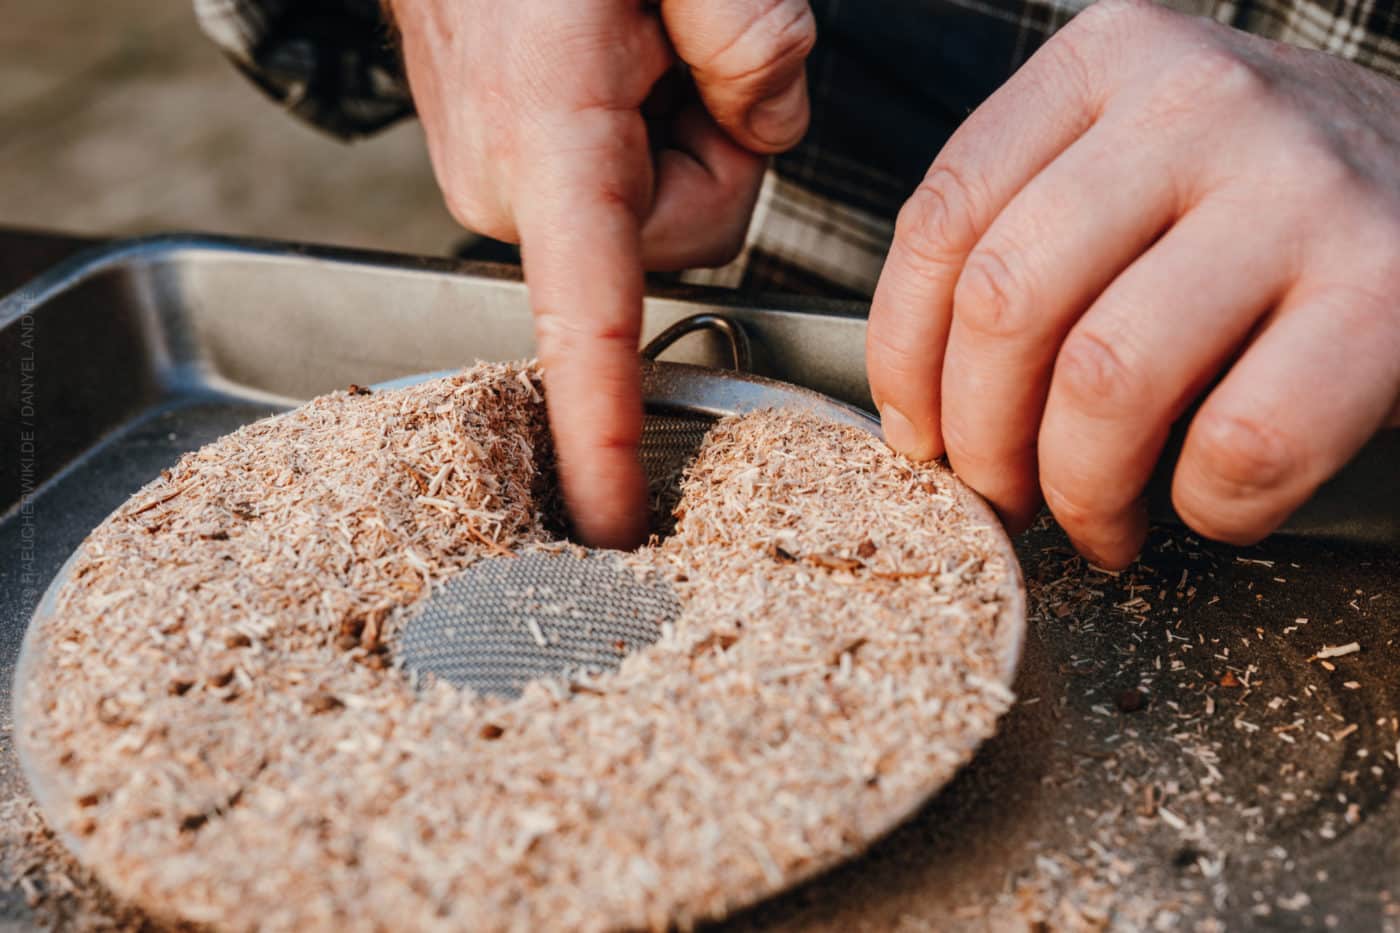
[
  {"x": 779, "y": 121},
  {"x": 901, "y": 434}
]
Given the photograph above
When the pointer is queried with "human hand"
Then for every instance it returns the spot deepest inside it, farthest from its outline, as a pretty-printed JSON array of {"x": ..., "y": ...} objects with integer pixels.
[
  {"x": 1151, "y": 203},
  {"x": 534, "y": 115}
]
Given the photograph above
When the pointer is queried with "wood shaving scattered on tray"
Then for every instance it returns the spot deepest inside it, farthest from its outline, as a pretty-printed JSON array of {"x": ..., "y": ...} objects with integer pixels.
[
  {"x": 218, "y": 727},
  {"x": 59, "y": 893}
]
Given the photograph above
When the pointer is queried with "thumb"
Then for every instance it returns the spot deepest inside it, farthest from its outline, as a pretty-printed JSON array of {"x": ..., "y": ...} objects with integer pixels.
[{"x": 747, "y": 59}]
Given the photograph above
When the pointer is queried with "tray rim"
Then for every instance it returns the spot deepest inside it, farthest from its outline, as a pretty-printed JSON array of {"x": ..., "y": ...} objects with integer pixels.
[{"x": 94, "y": 260}]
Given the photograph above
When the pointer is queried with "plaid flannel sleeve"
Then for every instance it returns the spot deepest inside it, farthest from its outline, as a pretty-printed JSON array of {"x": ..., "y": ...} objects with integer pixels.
[
  {"x": 332, "y": 63},
  {"x": 1366, "y": 32},
  {"x": 890, "y": 81}
]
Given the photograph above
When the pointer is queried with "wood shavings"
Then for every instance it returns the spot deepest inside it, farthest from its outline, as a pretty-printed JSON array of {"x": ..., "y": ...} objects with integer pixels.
[
  {"x": 295, "y": 778},
  {"x": 60, "y": 892},
  {"x": 1338, "y": 651}
]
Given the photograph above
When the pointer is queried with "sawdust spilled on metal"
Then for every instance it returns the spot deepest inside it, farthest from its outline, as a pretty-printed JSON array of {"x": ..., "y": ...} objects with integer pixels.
[{"x": 226, "y": 737}]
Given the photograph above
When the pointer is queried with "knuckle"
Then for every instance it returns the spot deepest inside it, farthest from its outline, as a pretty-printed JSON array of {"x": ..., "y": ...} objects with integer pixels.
[
  {"x": 730, "y": 232},
  {"x": 1217, "y": 66},
  {"x": 1243, "y": 454},
  {"x": 1072, "y": 51},
  {"x": 564, "y": 337},
  {"x": 776, "y": 40},
  {"x": 1101, "y": 373},
  {"x": 1208, "y": 73},
  {"x": 593, "y": 132},
  {"x": 472, "y": 212},
  {"x": 1100, "y": 27},
  {"x": 723, "y": 247},
  {"x": 959, "y": 438},
  {"x": 1334, "y": 166},
  {"x": 1100, "y": 40},
  {"x": 892, "y": 359},
  {"x": 1107, "y": 13},
  {"x": 935, "y": 226},
  {"x": 1071, "y": 508},
  {"x": 727, "y": 247},
  {"x": 462, "y": 211},
  {"x": 620, "y": 195},
  {"x": 618, "y": 439},
  {"x": 716, "y": 242},
  {"x": 1314, "y": 165},
  {"x": 787, "y": 45},
  {"x": 1072, "y": 61},
  {"x": 991, "y": 299}
]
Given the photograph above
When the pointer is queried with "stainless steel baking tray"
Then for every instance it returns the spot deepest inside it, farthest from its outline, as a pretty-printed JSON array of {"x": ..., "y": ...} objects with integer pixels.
[{"x": 120, "y": 359}]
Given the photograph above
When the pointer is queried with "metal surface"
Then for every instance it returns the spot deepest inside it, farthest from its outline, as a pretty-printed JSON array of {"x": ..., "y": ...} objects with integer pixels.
[
  {"x": 472, "y": 632},
  {"x": 165, "y": 317},
  {"x": 733, "y": 335},
  {"x": 506, "y": 621},
  {"x": 118, "y": 363}
]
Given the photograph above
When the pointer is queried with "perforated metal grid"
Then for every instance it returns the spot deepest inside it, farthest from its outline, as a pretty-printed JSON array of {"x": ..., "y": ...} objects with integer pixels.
[
  {"x": 506, "y": 621},
  {"x": 669, "y": 443}
]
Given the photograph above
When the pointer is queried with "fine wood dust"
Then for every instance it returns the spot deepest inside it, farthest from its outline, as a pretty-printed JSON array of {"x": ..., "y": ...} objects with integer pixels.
[{"x": 221, "y": 732}]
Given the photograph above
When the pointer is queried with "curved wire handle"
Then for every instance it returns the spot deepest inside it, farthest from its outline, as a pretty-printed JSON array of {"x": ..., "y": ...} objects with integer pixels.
[{"x": 733, "y": 333}]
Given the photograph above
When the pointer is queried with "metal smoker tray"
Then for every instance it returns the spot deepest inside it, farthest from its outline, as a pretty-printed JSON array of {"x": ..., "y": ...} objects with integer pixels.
[{"x": 121, "y": 359}]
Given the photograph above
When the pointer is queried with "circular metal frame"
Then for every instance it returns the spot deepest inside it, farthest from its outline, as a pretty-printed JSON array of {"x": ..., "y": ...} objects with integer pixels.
[{"x": 670, "y": 387}]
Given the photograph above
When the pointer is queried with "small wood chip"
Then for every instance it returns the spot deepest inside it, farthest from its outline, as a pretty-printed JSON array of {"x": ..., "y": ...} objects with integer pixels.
[
  {"x": 1339, "y": 651},
  {"x": 324, "y": 703}
]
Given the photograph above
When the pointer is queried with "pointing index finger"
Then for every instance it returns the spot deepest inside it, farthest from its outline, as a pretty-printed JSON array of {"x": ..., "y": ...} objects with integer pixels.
[{"x": 578, "y": 213}]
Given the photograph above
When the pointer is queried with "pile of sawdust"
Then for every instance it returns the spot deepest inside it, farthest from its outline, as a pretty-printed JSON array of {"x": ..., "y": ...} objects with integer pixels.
[
  {"x": 60, "y": 893},
  {"x": 225, "y": 738}
]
